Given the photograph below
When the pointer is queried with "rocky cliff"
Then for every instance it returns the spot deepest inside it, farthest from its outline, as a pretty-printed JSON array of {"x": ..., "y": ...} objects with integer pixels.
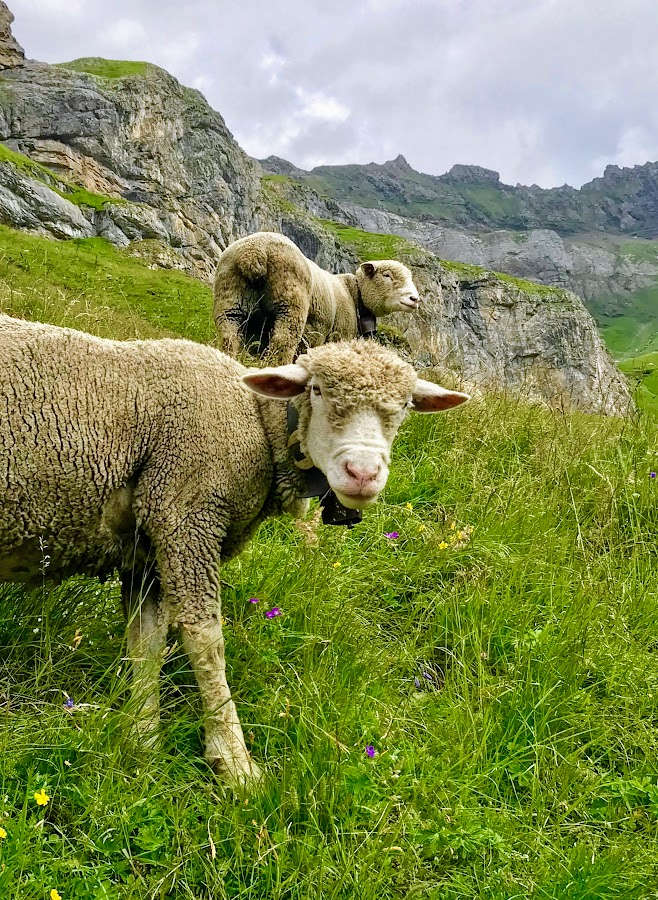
[{"x": 123, "y": 151}]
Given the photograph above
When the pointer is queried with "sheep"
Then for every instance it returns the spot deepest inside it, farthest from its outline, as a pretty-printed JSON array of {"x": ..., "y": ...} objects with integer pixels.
[
  {"x": 269, "y": 295},
  {"x": 158, "y": 458}
]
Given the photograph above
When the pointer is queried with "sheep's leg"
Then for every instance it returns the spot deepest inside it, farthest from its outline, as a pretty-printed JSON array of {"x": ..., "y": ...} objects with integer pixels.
[
  {"x": 147, "y": 638},
  {"x": 225, "y": 749},
  {"x": 286, "y": 337},
  {"x": 229, "y": 334}
]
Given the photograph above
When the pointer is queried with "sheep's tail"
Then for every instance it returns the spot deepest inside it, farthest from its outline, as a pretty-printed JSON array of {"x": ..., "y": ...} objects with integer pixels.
[{"x": 253, "y": 261}]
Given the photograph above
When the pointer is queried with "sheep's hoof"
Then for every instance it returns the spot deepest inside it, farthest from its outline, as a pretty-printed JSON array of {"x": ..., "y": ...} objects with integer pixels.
[{"x": 241, "y": 774}]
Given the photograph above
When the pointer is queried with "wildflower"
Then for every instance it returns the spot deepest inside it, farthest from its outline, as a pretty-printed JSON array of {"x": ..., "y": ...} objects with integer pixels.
[
  {"x": 253, "y": 600},
  {"x": 273, "y": 613},
  {"x": 55, "y": 895},
  {"x": 336, "y": 565},
  {"x": 428, "y": 676},
  {"x": 417, "y": 681},
  {"x": 408, "y": 506},
  {"x": 41, "y": 797},
  {"x": 460, "y": 535},
  {"x": 370, "y": 750},
  {"x": 443, "y": 546},
  {"x": 652, "y": 474},
  {"x": 69, "y": 703},
  {"x": 391, "y": 535},
  {"x": 421, "y": 527},
  {"x": 452, "y": 526},
  {"x": 3, "y": 833}
]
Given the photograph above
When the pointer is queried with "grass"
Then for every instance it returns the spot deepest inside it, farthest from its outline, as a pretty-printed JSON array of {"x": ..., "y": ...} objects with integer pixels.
[
  {"x": 106, "y": 68},
  {"x": 629, "y": 324},
  {"x": 500, "y": 656},
  {"x": 369, "y": 244},
  {"x": 91, "y": 285}
]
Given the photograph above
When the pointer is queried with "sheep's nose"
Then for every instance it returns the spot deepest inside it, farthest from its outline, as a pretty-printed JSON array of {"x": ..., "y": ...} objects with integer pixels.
[
  {"x": 415, "y": 299},
  {"x": 362, "y": 476}
]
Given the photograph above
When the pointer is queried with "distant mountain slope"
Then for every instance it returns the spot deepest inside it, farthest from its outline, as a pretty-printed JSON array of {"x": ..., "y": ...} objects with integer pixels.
[{"x": 622, "y": 201}]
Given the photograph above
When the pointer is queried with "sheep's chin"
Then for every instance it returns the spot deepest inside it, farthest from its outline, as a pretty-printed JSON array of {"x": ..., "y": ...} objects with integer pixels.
[
  {"x": 408, "y": 304},
  {"x": 355, "y": 502}
]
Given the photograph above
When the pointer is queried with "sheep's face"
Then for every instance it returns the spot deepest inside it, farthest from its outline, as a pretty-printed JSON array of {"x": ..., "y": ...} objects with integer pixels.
[
  {"x": 386, "y": 287},
  {"x": 353, "y": 398}
]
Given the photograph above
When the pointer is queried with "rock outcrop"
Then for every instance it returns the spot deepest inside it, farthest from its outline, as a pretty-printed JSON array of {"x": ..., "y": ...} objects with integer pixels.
[
  {"x": 11, "y": 52},
  {"x": 593, "y": 266},
  {"x": 163, "y": 160}
]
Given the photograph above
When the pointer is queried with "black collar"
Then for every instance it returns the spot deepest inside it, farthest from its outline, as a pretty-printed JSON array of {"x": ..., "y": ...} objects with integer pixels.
[{"x": 365, "y": 320}]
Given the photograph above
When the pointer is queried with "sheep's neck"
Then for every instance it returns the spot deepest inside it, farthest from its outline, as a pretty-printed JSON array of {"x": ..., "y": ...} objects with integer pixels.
[
  {"x": 366, "y": 321},
  {"x": 289, "y": 483}
]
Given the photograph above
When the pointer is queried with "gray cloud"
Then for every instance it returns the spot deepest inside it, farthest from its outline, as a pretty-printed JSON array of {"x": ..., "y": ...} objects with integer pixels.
[{"x": 545, "y": 91}]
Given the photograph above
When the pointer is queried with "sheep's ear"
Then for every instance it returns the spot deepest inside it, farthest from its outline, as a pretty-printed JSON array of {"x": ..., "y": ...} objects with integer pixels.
[
  {"x": 368, "y": 269},
  {"x": 430, "y": 398},
  {"x": 279, "y": 382}
]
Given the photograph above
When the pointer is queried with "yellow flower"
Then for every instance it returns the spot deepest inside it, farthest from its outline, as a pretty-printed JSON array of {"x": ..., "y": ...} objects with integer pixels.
[
  {"x": 452, "y": 526},
  {"x": 41, "y": 797},
  {"x": 336, "y": 564},
  {"x": 460, "y": 535},
  {"x": 3, "y": 833},
  {"x": 421, "y": 527},
  {"x": 55, "y": 895},
  {"x": 408, "y": 506},
  {"x": 443, "y": 546}
]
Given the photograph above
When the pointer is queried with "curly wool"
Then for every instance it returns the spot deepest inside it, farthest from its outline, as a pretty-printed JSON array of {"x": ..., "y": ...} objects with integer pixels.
[
  {"x": 355, "y": 374},
  {"x": 153, "y": 458}
]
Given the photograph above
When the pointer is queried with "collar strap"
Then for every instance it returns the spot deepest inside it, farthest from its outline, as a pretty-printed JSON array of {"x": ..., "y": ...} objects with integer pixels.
[
  {"x": 333, "y": 511},
  {"x": 366, "y": 321}
]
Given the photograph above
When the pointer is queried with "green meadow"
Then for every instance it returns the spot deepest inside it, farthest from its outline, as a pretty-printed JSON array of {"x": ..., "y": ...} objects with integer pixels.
[{"x": 459, "y": 700}]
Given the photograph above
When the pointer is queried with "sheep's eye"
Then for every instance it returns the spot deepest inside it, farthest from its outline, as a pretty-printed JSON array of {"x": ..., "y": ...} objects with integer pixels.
[
  {"x": 316, "y": 390},
  {"x": 387, "y": 275}
]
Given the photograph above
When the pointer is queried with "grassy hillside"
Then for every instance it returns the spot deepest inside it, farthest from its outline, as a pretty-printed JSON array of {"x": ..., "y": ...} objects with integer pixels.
[
  {"x": 499, "y": 655},
  {"x": 91, "y": 285}
]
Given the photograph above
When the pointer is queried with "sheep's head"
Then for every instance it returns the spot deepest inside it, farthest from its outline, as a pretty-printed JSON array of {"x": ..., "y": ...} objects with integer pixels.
[
  {"x": 387, "y": 286},
  {"x": 352, "y": 398}
]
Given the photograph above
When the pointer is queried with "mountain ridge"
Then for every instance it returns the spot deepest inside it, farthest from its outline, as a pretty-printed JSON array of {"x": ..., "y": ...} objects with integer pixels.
[{"x": 620, "y": 201}]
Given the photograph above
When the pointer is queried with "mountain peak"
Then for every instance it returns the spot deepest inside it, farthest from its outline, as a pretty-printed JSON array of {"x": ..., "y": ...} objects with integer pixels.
[{"x": 471, "y": 174}]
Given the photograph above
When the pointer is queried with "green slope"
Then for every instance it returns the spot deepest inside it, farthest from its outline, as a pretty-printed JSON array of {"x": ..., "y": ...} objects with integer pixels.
[
  {"x": 499, "y": 655},
  {"x": 91, "y": 285}
]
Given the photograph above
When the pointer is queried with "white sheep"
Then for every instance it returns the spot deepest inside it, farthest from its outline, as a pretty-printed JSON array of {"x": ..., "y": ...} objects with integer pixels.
[
  {"x": 268, "y": 295},
  {"x": 158, "y": 458}
]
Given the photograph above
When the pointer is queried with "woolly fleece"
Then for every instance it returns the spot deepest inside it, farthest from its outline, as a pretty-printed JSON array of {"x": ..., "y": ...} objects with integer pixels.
[
  {"x": 153, "y": 458},
  {"x": 269, "y": 295}
]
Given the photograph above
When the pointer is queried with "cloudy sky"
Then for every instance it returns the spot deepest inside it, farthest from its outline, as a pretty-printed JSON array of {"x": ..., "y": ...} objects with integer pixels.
[{"x": 544, "y": 91}]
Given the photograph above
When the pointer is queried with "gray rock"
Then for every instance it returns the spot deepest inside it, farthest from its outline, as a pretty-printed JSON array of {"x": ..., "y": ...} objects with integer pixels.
[{"x": 11, "y": 52}]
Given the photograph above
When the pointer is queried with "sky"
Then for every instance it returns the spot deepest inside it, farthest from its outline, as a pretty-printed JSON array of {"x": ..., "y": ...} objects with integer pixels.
[{"x": 543, "y": 91}]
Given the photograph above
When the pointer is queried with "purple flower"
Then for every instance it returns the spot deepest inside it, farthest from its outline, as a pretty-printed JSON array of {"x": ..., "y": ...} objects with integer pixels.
[
  {"x": 253, "y": 600},
  {"x": 652, "y": 474},
  {"x": 391, "y": 535},
  {"x": 428, "y": 676},
  {"x": 273, "y": 613},
  {"x": 417, "y": 681},
  {"x": 370, "y": 750},
  {"x": 69, "y": 703}
]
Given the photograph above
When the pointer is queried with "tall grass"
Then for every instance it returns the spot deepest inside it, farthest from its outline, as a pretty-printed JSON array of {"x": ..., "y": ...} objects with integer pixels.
[
  {"x": 506, "y": 676},
  {"x": 499, "y": 655}
]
